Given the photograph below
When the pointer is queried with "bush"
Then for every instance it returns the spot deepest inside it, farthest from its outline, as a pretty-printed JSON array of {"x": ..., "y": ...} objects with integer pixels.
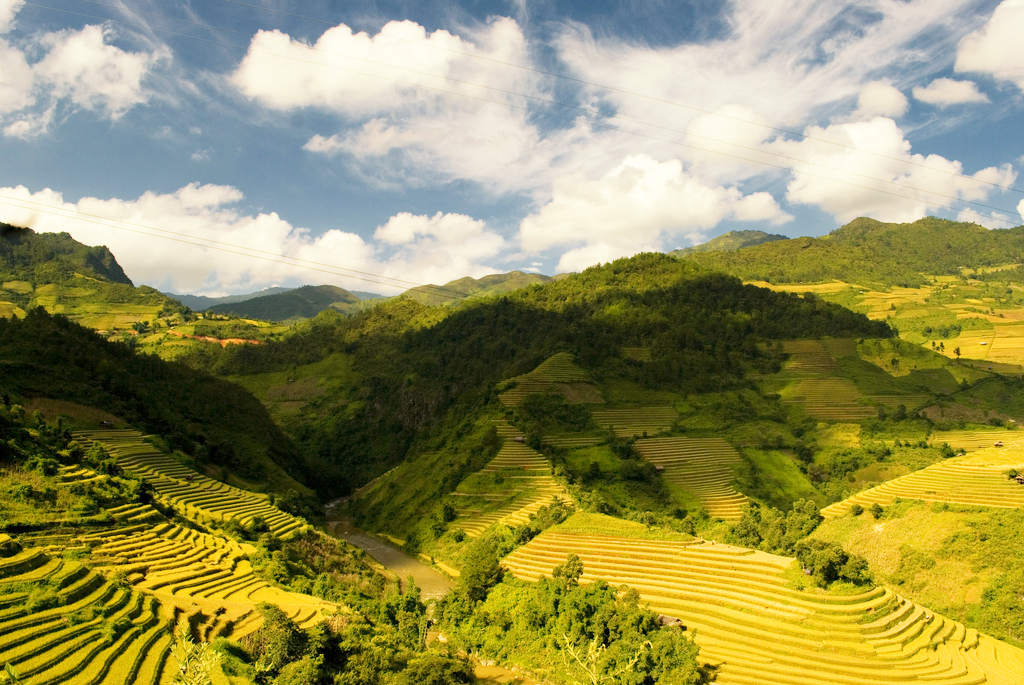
[{"x": 857, "y": 510}]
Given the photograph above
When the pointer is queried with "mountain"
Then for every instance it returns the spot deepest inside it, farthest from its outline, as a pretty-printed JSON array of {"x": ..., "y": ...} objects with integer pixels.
[
  {"x": 300, "y": 303},
  {"x": 54, "y": 271},
  {"x": 730, "y": 242},
  {"x": 870, "y": 252},
  {"x": 198, "y": 303},
  {"x": 467, "y": 288}
]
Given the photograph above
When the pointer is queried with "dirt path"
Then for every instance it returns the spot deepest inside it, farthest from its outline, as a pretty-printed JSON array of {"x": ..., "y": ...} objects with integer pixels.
[{"x": 432, "y": 583}]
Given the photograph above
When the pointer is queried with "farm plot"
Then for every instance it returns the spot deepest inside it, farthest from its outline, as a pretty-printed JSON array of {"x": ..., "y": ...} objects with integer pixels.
[
  {"x": 829, "y": 399},
  {"x": 636, "y": 421},
  {"x": 703, "y": 466},
  {"x": 807, "y": 359},
  {"x": 558, "y": 373},
  {"x": 977, "y": 479},
  {"x": 178, "y": 486},
  {"x": 91, "y": 630},
  {"x": 511, "y": 487},
  {"x": 973, "y": 440},
  {"x": 206, "y": 576},
  {"x": 757, "y": 631}
]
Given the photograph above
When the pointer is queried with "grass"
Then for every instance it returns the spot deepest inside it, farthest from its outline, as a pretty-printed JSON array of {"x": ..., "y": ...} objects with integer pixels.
[{"x": 589, "y": 523}]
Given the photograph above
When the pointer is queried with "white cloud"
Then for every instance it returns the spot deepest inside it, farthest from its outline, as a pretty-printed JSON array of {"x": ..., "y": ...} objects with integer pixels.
[
  {"x": 879, "y": 98},
  {"x": 599, "y": 253},
  {"x": 8, "y": 10},
  {"x": 876, "y": 149},
  {"x": 201, "y": 155},
  {"x": 944, "y": 92},
  {"x": 83, "y": 67},
  {"x": 634, "y": 207},
  {"x": 1020, "y": 209},
  {"x": 995, "y": 49},
  {"x": 455, "y": 234},
  {"x": 431, "y": 249},
  {"x": 78, "y": 68}
]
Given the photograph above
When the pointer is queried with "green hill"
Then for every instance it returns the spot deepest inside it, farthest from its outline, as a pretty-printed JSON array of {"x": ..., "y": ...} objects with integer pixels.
[
  {"x": 870, "y": 252},
  {"x": 300, "y": 303},
  {"x": 730, "y": 242},
  {"x": 54, "y": 271},
  {"x": 216, "y": 423},
  {"x": 199, "y": 303},
  {"x": 467, "y": 288}
]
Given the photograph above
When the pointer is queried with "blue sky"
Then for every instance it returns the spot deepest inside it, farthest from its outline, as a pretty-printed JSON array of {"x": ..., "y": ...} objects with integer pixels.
[{"x": 225, "y": 146}]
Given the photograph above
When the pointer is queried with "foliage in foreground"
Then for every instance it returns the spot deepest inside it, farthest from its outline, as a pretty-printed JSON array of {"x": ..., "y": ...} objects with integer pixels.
[{"x": 572, "y": 633}]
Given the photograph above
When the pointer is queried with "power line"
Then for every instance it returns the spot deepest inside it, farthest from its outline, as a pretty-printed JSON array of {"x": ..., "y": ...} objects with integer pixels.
[
  {"x": 573, "y": 107},
  {"x": 652, "y": 98},
  {"x": 176, "y": 236}
]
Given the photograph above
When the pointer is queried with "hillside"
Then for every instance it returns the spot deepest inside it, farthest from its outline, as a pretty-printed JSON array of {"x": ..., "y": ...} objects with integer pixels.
[
  {"x": 730, "y": 242},
  {"x": 412, "y": 365},
  {"x": 872, "y": 253},
  {"x": 86, "y": 284},
  {"x": 298, "y": 303},
  {"x": 468, "y": 288},
  {"x": 199, "y": 303},
  {"x": 216, "y": 423}
]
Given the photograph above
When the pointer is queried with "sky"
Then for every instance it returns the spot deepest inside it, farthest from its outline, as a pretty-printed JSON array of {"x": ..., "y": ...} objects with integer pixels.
[{"x": 225, "y": 146}]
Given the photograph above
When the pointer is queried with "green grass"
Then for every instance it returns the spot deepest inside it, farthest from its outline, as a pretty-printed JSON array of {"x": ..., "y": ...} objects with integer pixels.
[{"x": 774, "y": 478}]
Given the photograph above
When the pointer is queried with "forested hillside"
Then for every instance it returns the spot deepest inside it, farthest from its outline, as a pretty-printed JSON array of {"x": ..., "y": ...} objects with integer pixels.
[
  {"x": 217, "y": 422},
  {"x": 412, "y": 364},
  {"x": 869, "y": 252}
]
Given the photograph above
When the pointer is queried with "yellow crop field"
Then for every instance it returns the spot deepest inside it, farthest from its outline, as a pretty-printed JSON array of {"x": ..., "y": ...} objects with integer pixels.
[
  {"x": 978, "y": 479},
  {"x": 198, "y": 496},
  {"x": 703, "y": 466},
  {"x": 509, "y": 489},
  {"x": 748, "y": 622},
  {"x": 558, "y": 373}
]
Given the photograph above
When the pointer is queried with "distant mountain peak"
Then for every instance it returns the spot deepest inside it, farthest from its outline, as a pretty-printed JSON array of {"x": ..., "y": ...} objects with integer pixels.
[{"x": 731, "y": 242}]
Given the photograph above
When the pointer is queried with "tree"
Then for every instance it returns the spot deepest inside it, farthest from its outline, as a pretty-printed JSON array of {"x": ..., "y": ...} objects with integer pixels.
[
  {"x": 569, "y": 573},
  {"x": 596, "y": 664},
  {"x": 195, "y": 661}
]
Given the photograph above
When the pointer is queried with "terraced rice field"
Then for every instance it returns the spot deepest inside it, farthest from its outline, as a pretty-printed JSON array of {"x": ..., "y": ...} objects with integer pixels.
[
  {"x": 830, "y": 399},
  {"x": 977, "y": 479},
  {"x": 526, "y": 486},
  {"x": 99, "y": 632},
  {"x": 636, "y": 421},
  {"x": 807, "y": 359},
  {"x": 205, "y": 576},
  {"x": 703, "y": 466},
  {"x": 178, "y": 486},
  {"x": 736, "y": 604},
  {"x": 972, "y": 440},
  {"x": 557, "y": 373}
]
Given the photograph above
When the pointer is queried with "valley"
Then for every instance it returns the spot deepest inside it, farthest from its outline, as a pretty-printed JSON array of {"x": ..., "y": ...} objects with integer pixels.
[{"x": 702, "y": 478}]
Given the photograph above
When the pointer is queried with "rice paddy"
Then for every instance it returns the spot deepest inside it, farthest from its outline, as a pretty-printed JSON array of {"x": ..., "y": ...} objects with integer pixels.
[
  {"x": 636, "y": 421},
  {"x": 509, "y": 489},
  {"x": 702, "y": 466},
  {"x": 199, "y": 497},
  {"x": 977, "y": 479},
  {"x": 558, "y": 373},
  {"x": 88, "y": 630},
  {"x": 758, "y": 631}
]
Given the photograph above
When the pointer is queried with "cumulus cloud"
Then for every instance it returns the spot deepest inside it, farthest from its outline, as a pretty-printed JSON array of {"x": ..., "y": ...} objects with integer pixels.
[
  {"x": 632, "y": 208},
  {"x": 944, "y": 92},
  {"x": 78, "y": 70},
  {"x": 879, "y": 98},
  {"x": 995, "y": 48},
  {"x": 219, "y": 249},
  {"x": 1020, "y": 209},
  {"x": 877, "y": 149},
  {"x": 8, "y": 10}
]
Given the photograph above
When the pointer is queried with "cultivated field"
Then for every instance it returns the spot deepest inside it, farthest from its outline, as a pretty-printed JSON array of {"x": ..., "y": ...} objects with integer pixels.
[
  {"x": 198, "y": 497},
  {"x": 703, "y": 466},
  {"x": 636, "y": 421},
  {"x": 511, "y": 487},
  {"x": 558, "y": 373},
  {"x": 758, "y": 631},
  {"x": 62, "y": 623},
  {"x": 977, "y": 479}
]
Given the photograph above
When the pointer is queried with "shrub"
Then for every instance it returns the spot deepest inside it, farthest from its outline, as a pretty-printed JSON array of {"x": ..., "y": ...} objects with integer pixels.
[{"x": 856, "y": 510}]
